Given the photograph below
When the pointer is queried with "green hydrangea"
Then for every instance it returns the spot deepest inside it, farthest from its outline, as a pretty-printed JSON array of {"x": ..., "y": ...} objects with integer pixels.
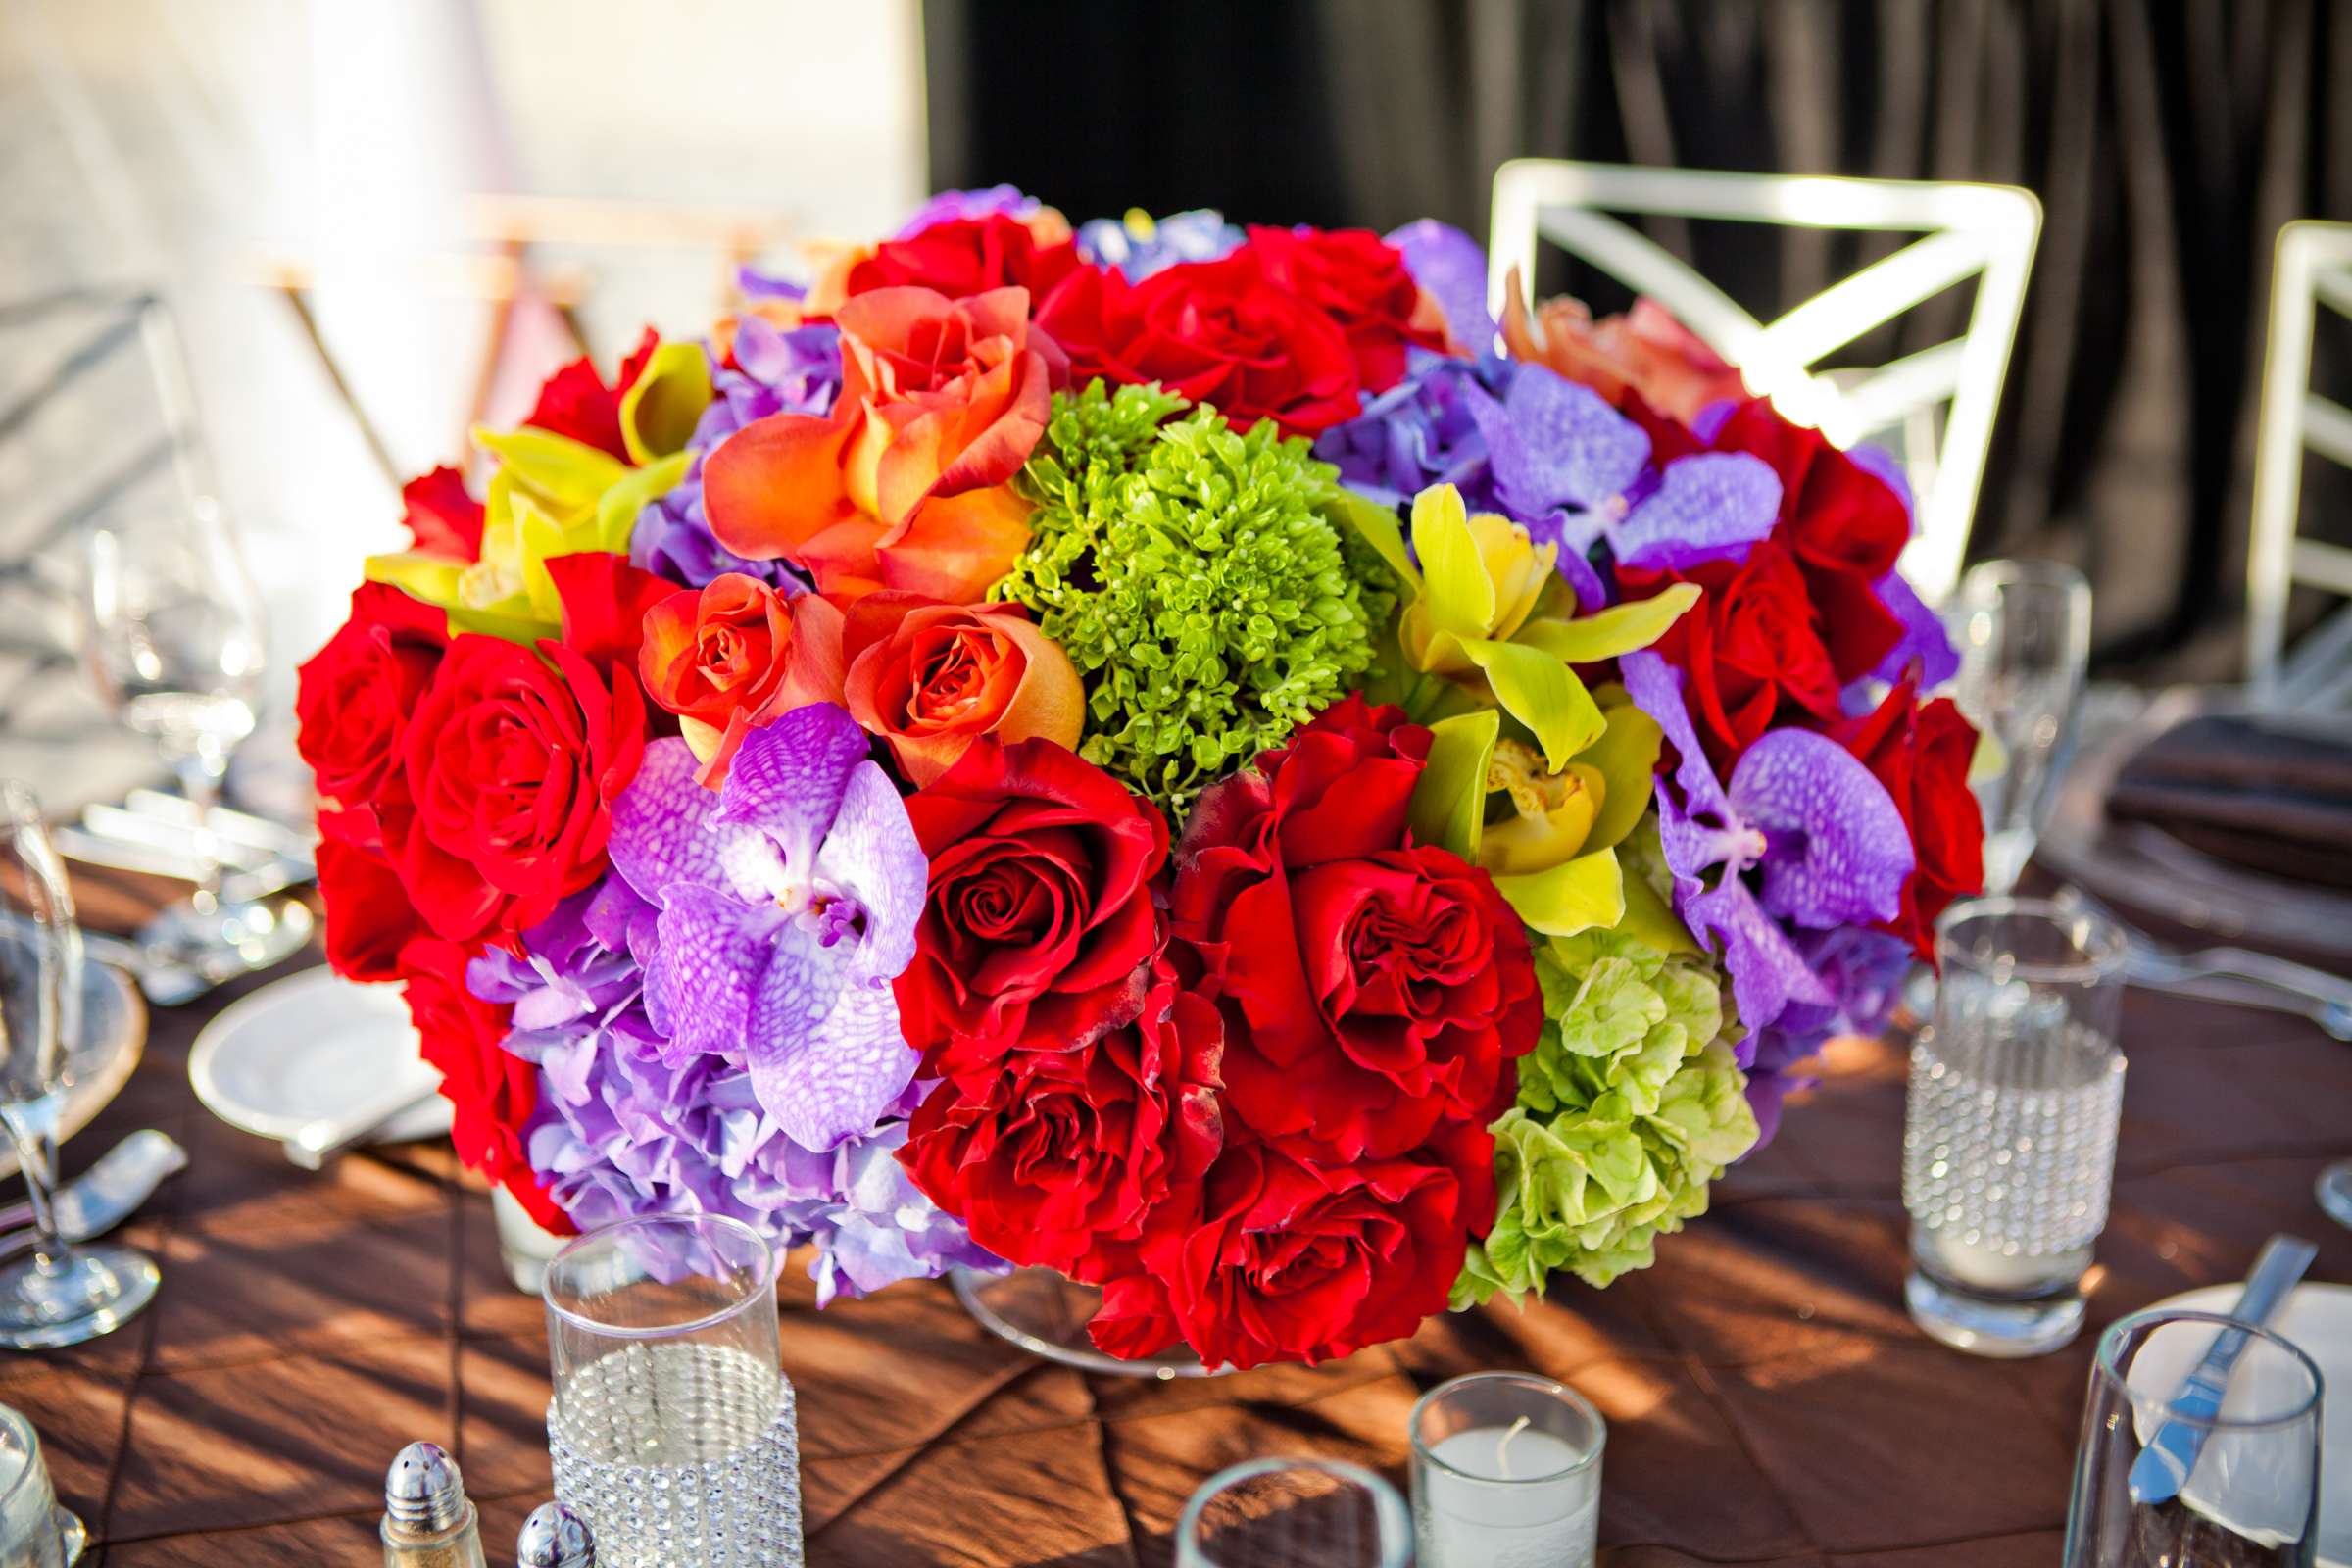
[
  {"x": 1630, "y": 1106},
  {"x": 1197, "y": 578}
]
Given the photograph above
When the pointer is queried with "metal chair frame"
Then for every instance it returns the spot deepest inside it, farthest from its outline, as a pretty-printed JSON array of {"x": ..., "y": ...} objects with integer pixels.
[{"x": 2314, "y": 268}]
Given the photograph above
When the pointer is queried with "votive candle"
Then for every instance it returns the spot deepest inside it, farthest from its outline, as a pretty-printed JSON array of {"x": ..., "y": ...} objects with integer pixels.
[{"x": 1507, "y": 1474}]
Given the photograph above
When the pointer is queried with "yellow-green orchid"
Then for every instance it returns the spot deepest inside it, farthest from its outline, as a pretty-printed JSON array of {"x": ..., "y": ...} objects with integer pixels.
[
  {"x": 1473, "y": 625},
  {"x": 552, "y": 496}
]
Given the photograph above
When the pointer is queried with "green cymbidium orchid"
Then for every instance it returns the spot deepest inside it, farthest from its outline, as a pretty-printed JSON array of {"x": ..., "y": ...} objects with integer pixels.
[
  {"x": 1548, "y": 836},
  {"x": 552, "y": 496},
  {"x": 1475, "y": 624}
]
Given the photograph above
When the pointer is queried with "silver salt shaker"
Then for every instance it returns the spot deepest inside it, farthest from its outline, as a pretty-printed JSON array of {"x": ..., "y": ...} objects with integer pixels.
[
  {"x": 554, "y": 1536},
  {"x": 428, "y": 1521}
]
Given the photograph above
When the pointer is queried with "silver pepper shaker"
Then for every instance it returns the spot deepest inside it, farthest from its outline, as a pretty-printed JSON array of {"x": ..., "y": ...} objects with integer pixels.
[
  {"x": 554, "y": 1536},
  {"x": 428, "y": 1522}
]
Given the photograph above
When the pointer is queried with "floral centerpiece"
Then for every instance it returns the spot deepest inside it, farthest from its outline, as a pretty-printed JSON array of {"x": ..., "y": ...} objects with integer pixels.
[{"x": 1187, "y": 756}]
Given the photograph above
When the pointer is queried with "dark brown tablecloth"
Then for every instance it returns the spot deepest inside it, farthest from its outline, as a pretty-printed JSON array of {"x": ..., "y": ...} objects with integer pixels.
[{"x": 1768, "y": 1400}]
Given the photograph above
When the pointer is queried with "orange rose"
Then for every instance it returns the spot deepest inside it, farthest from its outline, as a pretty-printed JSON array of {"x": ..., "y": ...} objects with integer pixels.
[
  {"x": 931, "y": 678},
  {"x": 1645, "y": 349},
  {"x": 906, "y": 484},
  {"x": 734, "y": 654}
]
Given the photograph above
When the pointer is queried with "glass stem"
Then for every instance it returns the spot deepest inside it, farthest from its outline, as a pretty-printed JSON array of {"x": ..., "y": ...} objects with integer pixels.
[
  {"x": 36, "y": 1158},
  {"x": 201, "y": 768}
]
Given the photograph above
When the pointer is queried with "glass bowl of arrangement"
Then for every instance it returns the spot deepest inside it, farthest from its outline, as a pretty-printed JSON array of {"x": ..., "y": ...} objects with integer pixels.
[{"x": 1187, "y": 776}]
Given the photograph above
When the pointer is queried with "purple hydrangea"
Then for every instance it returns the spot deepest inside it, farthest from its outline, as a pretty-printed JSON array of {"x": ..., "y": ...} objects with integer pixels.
[
  {"x": 1421, "y": 432},
  {"x": 951, "y": 205},
  {"x": 628, "y": 1125},
  {"x": 1821, "y": 835},
  {"x": 1140, "y": 247},
  {"x": 778, "y": 371}
]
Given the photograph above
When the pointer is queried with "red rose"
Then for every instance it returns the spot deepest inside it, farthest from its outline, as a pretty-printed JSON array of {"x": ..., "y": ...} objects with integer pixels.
[
  {"x": 1056, "y": 1156},
  {"x": 1752, "y": 644},
  {"x": 1383, "y": 984},
  {"x": 966, "y": 256},
  {"x": 1841, "y": 521},
  {"x": 1301, "y": 1262},
  {"x": 514, "y": 759},
  {"x": 492, "y": 1092},
  {"x": 1921, "y": 751},
  {"x": 574, "y": 401},
  {"x": 1221, "y": 332},
  {"x": 1362, "y": 283},
  {"x": 442, "y": 518},
  {"x": 369, "y": 917},
  {"x": 353, "y": 703},
  {"x": 1039, "y": 917}
]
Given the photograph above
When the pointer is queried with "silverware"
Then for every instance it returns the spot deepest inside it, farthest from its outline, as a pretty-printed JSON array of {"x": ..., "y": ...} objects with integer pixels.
[
  {"x": 321, "y": 1141},
  {"x": 245, "y": 879},
  {"x": 166, "y": 975},
  {"x": 2164, "y": 1466},
  {"x": 106, "y": 1195},
  {"x": 2231, "y": 974},
  {"x": 227, "y": 823}
]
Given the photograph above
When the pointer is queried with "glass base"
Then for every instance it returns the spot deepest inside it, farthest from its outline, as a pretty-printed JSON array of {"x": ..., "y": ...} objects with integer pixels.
[
  {"x": 2334, "y": 1190},
  {"x": 94, "y": 1291},
  {"x": 226, "y": 938},
  {"x": 1989, "y": 1326},
  {"x": 1046, "y": 1315},
  {"x": 71, "y": 1536}
]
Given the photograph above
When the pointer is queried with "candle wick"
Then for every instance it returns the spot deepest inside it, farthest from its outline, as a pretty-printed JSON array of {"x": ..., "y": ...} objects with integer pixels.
[{"x": 1503, "y": 1459}]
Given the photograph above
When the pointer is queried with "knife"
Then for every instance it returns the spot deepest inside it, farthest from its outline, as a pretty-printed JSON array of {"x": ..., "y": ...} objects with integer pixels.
[{"x": 2164, "y": 1465}]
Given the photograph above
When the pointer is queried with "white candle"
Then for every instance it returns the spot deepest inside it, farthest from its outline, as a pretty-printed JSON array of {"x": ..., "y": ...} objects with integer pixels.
[{"x": 1507, "y": 1498}]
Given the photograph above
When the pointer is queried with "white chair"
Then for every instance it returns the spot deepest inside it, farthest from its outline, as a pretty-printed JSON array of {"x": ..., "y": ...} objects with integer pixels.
[
  {"x": 1982, "y": 231},
  {"x": 2314, "y": 266}
]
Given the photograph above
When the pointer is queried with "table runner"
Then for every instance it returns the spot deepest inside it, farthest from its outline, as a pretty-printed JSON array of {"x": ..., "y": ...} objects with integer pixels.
[{"x": 1769, "y": 1404}]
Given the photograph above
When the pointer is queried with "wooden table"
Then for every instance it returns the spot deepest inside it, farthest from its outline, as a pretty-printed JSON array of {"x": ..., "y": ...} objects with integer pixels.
[{"x": 1768, "y": 1400}]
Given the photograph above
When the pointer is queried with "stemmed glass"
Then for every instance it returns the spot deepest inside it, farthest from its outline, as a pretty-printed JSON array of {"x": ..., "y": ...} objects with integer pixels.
[
  {"x": 175, "y": 639},
  {"x": 62, "y": 1294},
  {"x": 2023, "y": 629}
]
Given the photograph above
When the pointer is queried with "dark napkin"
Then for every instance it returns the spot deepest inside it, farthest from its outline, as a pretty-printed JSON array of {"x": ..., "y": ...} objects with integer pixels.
[{"x": 2273, "y": 794}]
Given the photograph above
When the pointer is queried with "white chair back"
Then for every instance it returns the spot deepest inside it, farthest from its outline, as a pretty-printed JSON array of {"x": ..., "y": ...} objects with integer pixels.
[
  {"x": 2314, "y": 268},
  {"x": 1982, "y": 231}
]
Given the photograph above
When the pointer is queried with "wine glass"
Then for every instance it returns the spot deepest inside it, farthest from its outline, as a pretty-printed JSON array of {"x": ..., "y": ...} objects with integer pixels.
[
  {"x": 2334, "y": 1192},
  {"x": 2023, "y": 630},
  {"x": 2172, "y": 1469},
  {"x": 175, "y": 639},
  {"x": 61, "y": 1293}
]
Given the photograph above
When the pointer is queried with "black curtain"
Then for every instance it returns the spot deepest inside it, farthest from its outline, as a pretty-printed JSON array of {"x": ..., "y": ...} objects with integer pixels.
[{"x": 2168, "y": 140}]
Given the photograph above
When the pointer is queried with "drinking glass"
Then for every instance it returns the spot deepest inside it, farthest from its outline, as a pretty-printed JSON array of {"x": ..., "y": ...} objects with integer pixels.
[
  {"x": 673, "y": 1424},
  {"x": 1506, "y": 1473},
  {"x": 2251, "y": 1495},
  {"x": 2023, "y": 629},
  {"x": 59, "y": 1294},
  {"x": 35, "y": 1531},
  {"x": 2009, "y": 1130},
  {"x": 173, "y": 637},
  {"x": 1293, "y": 1513}
]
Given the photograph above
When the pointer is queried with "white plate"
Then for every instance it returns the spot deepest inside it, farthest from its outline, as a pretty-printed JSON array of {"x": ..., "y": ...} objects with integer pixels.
[
  {"x": 308, "y": 1045},
  {"x": 114, "y": 1032},
  {"x": 2317, "y": 1320}
]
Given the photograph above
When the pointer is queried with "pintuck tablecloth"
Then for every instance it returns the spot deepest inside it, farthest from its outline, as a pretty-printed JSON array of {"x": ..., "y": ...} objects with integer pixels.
[{"x": 1768, "y": 1400}]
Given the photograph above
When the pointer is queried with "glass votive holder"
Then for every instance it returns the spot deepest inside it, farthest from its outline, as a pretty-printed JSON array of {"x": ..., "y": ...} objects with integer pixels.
[
  {"x": 1506, "y": 1473},
  {"x": 2016, "y": 1090},
  {"x": 35, "y": 1531},
  {"x": 1293, "y": 1513}
]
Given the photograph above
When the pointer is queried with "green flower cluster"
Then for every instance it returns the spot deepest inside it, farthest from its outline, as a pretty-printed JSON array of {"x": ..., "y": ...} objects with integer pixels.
[
  {"x": 1197, "y": 578},
  {"x": 1631, "y": 1104}
]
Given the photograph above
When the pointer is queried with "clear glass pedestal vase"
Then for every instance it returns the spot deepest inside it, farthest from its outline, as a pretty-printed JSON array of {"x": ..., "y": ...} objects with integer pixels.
[{"x": 1046, "y": 1313}]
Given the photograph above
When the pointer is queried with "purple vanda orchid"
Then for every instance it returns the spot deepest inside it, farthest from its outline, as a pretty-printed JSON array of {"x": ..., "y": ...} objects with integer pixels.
[
  {"x": 1451, "y": 268},
  {"x": 1577, "y": 471},
  {"x": 788, "y": 906},
  {"x": 1826, "y": 839}
]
